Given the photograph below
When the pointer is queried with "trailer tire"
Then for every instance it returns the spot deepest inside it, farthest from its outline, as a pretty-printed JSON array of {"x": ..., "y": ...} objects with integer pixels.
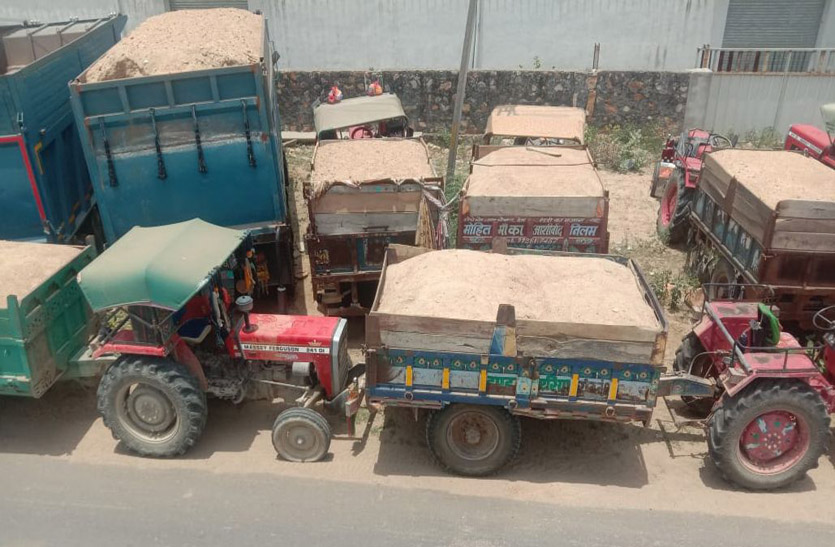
[
  {"x": 691, "y": 347},
  {"x": 301, "y": 435},
  {"x": 473, "y": 440},
  {"x": 761, "y": 409},
  {"x": 672, "y": 223},
  {"x": 722, "y": 272},
  {"x": 154, "y": 406}
]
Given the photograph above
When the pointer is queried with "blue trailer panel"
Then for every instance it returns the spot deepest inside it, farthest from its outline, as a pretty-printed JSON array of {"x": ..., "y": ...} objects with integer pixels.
[{"x": 45, "y": 191}]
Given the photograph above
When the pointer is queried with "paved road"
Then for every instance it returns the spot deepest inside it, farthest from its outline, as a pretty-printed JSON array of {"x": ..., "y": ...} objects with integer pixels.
[{"x": 47, "y": 501}]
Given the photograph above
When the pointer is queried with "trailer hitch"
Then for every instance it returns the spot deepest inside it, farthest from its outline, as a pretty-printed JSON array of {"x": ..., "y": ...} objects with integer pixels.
[
  {"x": 249, "y": 151},
  {"x": 161, "y": 173},
  {"x": 111, "y": 171}
]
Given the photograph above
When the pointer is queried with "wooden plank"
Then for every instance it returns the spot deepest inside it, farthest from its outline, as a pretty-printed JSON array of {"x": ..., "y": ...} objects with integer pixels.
[
  {"x": 329, "y": 224},
  {"x": 751, "y": 213},
  {"x": 806, "y": 209},
  {"x": 586, "y": 331},
  {"x": 435, "y": 342},
  {"x": 571, "y": 348},
  {"x": 434, "y": 325},
  {"x": 399, "y": 253},
  {"x": 566, "y": 207},
  {"x": 824, "y": 226},
  {"x": 359, "y": 202},
  {"x": 803, "y": 241}
]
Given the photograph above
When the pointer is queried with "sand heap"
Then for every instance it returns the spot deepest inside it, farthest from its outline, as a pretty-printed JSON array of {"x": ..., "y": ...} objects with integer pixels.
[
  {"x": 180, "y": 41},
  {"x": 460, "y": 284},
  {"x": 24, "y": 266}
]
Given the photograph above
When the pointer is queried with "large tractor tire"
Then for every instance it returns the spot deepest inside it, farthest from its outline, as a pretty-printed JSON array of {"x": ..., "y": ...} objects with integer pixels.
[
  {"x": 154, "y": 406},
  {"x": 769, "y": 435},
  {"x": 473, "y": 440},
  {"x": 691, "y": 358},
  {"x": 673, "y": 223},
  {"x": 301, "y": 435}
]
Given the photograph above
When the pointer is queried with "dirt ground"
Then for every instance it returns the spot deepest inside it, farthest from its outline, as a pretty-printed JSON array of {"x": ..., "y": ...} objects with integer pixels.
[{"x": 658, "y": 468}]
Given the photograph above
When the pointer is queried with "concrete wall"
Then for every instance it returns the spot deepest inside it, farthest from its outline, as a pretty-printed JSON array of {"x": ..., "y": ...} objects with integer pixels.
[
  {"x": 752, "y": 102},
  {"x": 427, "y": 34},
  {"x": 616, "y": 96}
]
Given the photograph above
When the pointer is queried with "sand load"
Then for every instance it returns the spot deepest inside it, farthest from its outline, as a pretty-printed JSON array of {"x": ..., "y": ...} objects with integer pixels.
[
  {"x": 25, "y": 266},
  {"x": 182, "y": 41}
]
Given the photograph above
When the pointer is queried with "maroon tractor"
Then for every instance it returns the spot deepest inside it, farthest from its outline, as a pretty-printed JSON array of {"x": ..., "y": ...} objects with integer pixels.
[
  {"x": 813, "y": 141},
  {"x": 675, "y": 177},
  {"x": 768, "y": 421}
]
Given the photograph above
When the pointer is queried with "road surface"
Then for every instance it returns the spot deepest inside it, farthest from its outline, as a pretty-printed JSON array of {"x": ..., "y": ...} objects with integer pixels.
[{"x": 47, "y": 501}]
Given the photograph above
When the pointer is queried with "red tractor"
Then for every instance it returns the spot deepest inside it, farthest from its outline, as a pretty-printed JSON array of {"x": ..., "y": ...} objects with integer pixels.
[
  {"x": 178, "y": 327},
  {"x": 768, "y": 420},
  {"x": 675, "y": 177},
  {"x": 813, "y": 141}
]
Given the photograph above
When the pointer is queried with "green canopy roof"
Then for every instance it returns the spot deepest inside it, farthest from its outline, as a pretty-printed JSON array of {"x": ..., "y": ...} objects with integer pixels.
[
  {"x": 357, "y": 111},
  {"x": 162, "y": 266}
]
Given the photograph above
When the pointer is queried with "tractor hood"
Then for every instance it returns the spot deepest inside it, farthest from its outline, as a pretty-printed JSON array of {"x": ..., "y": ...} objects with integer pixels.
[{"x": 163, "y": 266}]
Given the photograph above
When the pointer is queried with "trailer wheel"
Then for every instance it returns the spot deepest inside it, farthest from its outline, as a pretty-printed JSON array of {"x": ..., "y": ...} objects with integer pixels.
[
  {"x": 301, "y": 435},
  {"x": 722, "y": 273},
  {"x": 473, "y": 440},
  {"x": 691, "y": 348},
  {"x": 672, "y": 224},
  {"x": 769, "y": 435},
  {"x": 155, "y": 407}
]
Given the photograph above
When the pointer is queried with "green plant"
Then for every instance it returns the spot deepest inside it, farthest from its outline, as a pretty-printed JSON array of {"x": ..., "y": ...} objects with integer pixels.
[{"x": 625, "y": 148}]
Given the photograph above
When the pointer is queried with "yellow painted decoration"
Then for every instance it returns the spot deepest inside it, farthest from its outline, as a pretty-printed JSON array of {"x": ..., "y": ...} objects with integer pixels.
[
  {"x": 38, "y": 148},
  {"x": 575, "y": 382},
  {"x": 445, "y": 381},
  {"x": 409, "y": 376},
  {"x": 482, "y": 381},
  {"x": 613, "y": 391}
]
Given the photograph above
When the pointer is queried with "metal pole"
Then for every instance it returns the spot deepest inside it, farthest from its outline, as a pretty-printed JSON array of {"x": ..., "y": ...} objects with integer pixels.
[{"x": 462, "y": 86}]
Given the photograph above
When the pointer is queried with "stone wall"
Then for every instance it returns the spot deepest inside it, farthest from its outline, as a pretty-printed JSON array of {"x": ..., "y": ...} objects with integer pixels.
[{"x": 428, "y": 96}]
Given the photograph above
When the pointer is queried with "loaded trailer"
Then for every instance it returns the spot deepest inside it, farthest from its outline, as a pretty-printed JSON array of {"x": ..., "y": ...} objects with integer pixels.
[
  {"x": 469, "y": 337},
  {"x": 766, "y": 217},
  {"x": 46, "y": 193},
  {"x": 534, "y": 197},
  {"x": 183, "y": 143},
  {"x": 363, "y": 195},
  {"x": 160, "y": 317}
]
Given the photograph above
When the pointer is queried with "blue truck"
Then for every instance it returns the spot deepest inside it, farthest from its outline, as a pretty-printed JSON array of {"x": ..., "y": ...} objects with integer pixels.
[
  {"x": 46, "y": 192},
  {"x": 201, "y": 143}
]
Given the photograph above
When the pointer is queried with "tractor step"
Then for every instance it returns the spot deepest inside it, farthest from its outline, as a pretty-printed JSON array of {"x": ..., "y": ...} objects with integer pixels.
[{"x": 683, "y": 421}]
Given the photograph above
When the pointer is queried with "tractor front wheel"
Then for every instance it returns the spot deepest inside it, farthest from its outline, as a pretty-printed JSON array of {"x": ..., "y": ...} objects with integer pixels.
[
  {"x": 301, "y": 435},
  {"x": 769, "y": 435},
  {"x": 155, "y": 407},
  {"x": 473, "y": 440},
  {"x": 672, "y": 224}
]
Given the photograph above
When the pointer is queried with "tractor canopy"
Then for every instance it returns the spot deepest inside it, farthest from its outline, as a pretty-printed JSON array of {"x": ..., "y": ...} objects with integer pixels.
[
  {"x": 537, "y": 121},
  {"x": 356, "y": 111},
  {"x": 163, "y": 266}
]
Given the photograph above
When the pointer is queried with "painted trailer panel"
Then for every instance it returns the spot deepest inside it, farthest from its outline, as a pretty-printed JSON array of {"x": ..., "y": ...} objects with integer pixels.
[{"x": 46, "y": 192}]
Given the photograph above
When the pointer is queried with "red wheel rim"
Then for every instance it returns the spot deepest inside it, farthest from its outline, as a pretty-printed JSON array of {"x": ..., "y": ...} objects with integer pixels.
[
  {"x": 668, "y": 204},
  {"x": 773, "y": 442}
]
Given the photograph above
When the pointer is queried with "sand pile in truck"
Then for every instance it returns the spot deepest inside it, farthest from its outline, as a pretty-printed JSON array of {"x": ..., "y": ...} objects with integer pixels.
[
  {"x": 462, "y": 284},
  {"x": 181, "y": 41},
  {"x": 24, "y": 266}
]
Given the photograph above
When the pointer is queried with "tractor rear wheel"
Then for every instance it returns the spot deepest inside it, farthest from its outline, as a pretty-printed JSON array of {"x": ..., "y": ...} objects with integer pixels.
[
  {"x": 769, "y": 435},
  {"x": 301, "y": 435},
  {"x": 155, "y": 407},
  {"x": 691, "y": 358},
  {"x": 473, "y": 440},
  {"x": 672, "y": 224}
]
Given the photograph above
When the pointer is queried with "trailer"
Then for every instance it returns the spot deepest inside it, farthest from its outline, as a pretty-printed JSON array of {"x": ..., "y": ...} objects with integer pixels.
[
  {"x": 766, "y": 217},
  {"x": 45, "y": 323},
  {"x": 436, "y": 350},
  {"x": 166, "y": 148},
  {"x": 363, "y": 195},
  {"x": 536, "y": 197},
  {"x": 46, "y": 193}
]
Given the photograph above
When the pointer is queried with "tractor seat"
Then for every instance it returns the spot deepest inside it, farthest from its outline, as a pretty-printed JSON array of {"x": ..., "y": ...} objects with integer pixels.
[{"x": 195, "y": 330}]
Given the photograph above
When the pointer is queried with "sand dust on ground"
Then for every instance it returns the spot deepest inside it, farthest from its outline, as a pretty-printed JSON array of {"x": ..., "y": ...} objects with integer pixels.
[
  {"x": 632, "y": 211},
  {"x": 461, "y": 284},
  {"x": 180, "y": 41},
  {"x": 24, "y": 266}
]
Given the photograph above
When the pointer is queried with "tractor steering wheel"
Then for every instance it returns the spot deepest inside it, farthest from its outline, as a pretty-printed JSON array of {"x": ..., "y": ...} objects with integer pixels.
[
  {"x": 822, "y": 322},
  {"x": 719, "y": 141}
]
